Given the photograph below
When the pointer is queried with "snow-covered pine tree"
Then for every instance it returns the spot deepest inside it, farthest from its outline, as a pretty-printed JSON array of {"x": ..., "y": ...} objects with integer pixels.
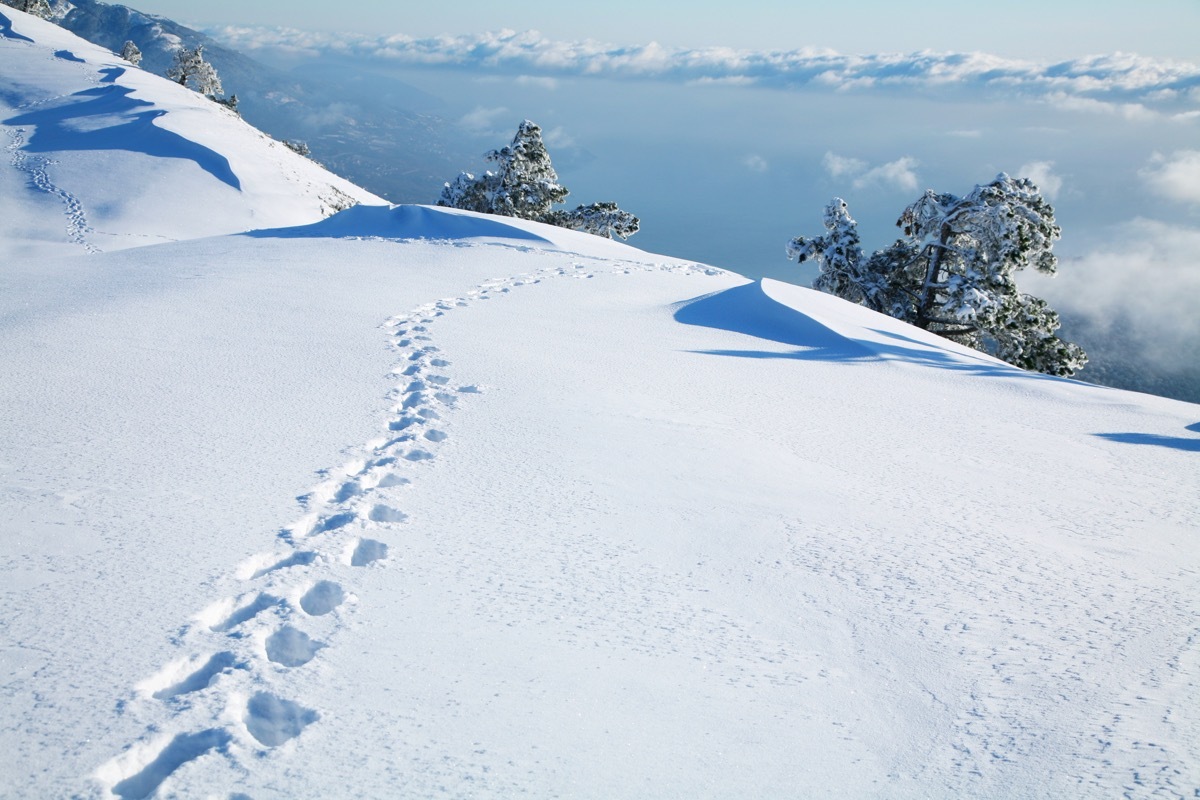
[
  {"x": 598, "y": 219},
  {"x": 838, "y": 253},
  {"x": 952, "y": 272},
  {"x": 190, "y": 69},
  {"x": 39, "y": 8},
  {"x": 131, "y": 53},
  {"x": 525, "y": 185}
]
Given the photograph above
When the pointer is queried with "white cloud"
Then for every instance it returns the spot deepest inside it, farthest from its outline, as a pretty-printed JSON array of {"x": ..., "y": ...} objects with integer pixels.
[
  {"x": 482, "y": 120},
  {"x": 755, "y": 163},
  {"x": 539, "y": 82},
  {"x": 557, "y": 137},
  {"x": 1177, "y": 177},
  {"x": 1090, "y": 105},
  {"x": 899, "y": 174},
  {"x": 1042, "y": 173},
  {"x": 837, "y": 166}
]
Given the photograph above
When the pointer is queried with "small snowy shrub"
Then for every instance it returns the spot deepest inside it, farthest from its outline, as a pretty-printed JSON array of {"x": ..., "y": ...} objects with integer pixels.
[
  {"x": 131, "y": 53},
  {"x": 298, "y": 147}
]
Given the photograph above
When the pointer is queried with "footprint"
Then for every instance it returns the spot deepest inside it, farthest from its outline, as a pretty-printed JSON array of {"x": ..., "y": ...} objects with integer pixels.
[
  {"x": 322, "y": 598},
  {"x": 435, "y": 436},
  {"x": 272, "y": 720},
  {"x": 291, "y": 647},
  {"x": 419, "y": 455},
  {"x": 368, "y": 551},
  {"x": 469, "y": 390},
  {"x": 183, "y": 748},
  {"x": 247, "y": 612},
  {"x": 382, "y": 513},
  {"x": 348, "y": 490},
  {"x": 299, "y": 559},
  {"x": 197, "y": 680},
  {"x": 392, "y": 479},
  {"x": 440, "y": 380},
  {"x": 336, "y": 521}
]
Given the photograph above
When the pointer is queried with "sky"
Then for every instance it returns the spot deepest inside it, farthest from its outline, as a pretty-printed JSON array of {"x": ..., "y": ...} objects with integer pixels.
[{"x": 1013, "y": 28}]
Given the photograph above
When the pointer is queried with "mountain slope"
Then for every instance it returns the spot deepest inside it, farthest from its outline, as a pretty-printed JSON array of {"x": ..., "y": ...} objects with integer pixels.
[
  {"x": 417, "y": 502},
  {"x": 371, "y": 135},
  {"x": 584, "y": 521},
  {"x": 101, "y": 155}
]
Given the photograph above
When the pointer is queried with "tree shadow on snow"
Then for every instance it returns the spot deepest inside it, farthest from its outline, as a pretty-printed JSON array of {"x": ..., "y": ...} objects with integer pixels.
[
  {"x": 748, "y": 310},
  {"x": 8, "y": 33},
  {"x": 106, "y": 118},
  {"x": 1171, "y": 442}
]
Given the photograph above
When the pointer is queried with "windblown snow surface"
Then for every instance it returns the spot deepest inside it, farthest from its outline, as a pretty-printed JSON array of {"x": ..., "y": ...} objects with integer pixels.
[{"x": 420, "y": 503}]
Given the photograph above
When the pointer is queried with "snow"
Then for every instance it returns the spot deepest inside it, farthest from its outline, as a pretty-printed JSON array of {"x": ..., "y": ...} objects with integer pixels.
[
  {"x": 419, "y": 502},
  {"x": 100, "y": 155}
]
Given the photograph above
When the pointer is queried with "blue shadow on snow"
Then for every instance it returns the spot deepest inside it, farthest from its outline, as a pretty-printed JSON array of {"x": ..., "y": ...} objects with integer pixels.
[
  {"x": 402, "y": 222},
  {"x": 1170, "y": 442},
  {"x": 748, "y": 310},
  {"x": 138, "y": 135},
  {"x": 8, "y": 33},
  {"x": 67, "y": 55}
]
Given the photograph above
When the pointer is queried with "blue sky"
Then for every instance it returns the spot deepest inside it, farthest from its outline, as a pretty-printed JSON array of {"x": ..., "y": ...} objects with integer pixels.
[{"x": 1015, "y": 28}]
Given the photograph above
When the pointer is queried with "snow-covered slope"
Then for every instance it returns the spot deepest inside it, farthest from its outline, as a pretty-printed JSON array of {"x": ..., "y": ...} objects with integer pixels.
[
  {"x": 572, "y": 520},
  {"x": 417, "y": 502},
  {"x": 99, "y": 155}
]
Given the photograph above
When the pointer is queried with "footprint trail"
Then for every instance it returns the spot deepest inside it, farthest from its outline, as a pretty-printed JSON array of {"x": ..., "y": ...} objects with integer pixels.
[{"x": 227, "y": 698}]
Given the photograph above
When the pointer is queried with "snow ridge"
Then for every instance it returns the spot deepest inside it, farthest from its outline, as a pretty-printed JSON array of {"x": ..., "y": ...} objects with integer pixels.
[{"x": 228, "y": 696}]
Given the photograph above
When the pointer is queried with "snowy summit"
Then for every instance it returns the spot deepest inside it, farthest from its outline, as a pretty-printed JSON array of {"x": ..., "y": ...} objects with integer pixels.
[{"x": 421, "y": 502}]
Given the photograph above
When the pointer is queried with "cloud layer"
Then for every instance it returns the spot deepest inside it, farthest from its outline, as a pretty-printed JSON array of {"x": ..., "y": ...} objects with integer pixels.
[
  {"x": 1121, "y": 83},
  {"x": 1145, "y": 282}
]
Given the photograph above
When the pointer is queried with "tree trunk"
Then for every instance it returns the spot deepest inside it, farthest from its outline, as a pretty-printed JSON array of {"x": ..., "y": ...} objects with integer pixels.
[{"x": 931, "y": 276}]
